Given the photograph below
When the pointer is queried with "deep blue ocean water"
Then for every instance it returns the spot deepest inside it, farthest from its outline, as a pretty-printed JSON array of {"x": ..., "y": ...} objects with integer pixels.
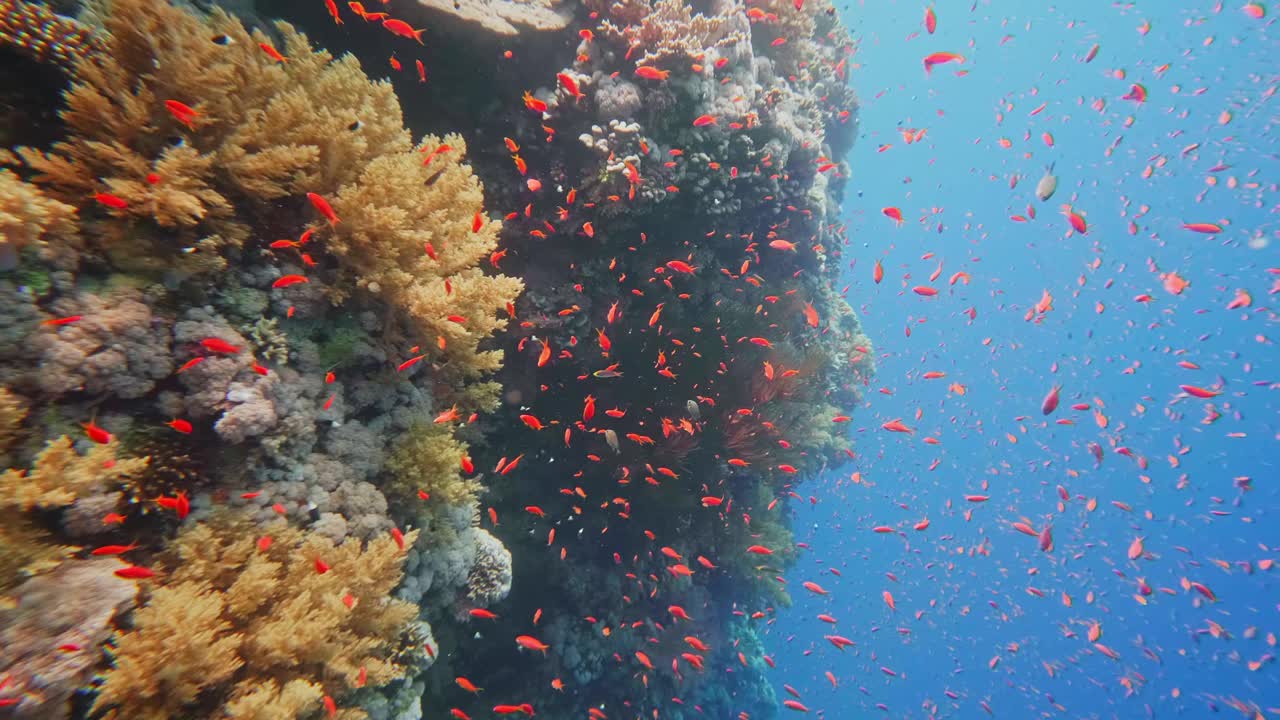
[{"x": 962, "y": 587}]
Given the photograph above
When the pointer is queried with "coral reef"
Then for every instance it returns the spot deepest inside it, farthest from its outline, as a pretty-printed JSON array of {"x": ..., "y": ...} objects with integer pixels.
[
  {"x": 262, "y": 627},
  {"x": 244, "y": 268},
  {"x": 143, "y": 291}
]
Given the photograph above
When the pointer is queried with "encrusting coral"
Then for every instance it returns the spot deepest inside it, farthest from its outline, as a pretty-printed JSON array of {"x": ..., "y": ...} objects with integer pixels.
[{"x": 263, "y": 623}]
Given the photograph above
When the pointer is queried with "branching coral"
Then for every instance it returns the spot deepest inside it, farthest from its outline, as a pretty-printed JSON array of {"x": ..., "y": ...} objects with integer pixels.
[
  {"x": 398, "y": 207},
  {"x": 669, "y": 30},
  {"x": 12, "y": 411},
  {"x": 264, "y": 628},
  {"x": 29, "y": 219},
  {"x": 58, "y": 477},
  {"x": 428, "y": 458},
  {"x": 261, "y": 131}
]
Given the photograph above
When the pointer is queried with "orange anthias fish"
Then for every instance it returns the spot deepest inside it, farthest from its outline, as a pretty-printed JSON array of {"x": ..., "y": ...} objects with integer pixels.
[
  {"x": 570, "y": 84},
  {"x": 402, "y": 28},
  {"x": 652, "y": 73},
  {"x": 940, "y": 58},
  {"x": 182, "y": 113},
  {"x": 529, "y": 642}
]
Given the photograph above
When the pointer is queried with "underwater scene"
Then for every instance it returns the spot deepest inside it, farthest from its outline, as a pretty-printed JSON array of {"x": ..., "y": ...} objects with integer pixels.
[{"x": 639, "y": 359}]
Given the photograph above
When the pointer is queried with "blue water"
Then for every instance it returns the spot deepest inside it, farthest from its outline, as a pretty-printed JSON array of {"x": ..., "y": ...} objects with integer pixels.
[{"x": 958, "y": 609}]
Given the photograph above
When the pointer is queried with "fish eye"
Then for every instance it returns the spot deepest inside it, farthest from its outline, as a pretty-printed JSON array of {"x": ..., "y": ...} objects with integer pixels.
[
  {"x": 353, "y": 127},
  {"x": 222, "y": 40}
]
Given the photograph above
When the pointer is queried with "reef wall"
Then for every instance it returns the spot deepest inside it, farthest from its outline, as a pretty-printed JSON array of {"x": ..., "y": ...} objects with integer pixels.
[{"x": 261, "y": 349}]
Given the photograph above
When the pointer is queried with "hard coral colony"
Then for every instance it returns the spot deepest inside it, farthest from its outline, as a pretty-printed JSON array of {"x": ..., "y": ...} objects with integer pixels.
[{"x": 333, "y": 422}]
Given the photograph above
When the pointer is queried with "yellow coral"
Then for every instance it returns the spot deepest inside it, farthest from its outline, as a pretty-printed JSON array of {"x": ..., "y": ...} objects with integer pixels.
[
  {"x": 60, "y": 475},
  {"x": 13, "y": 410},
  {"x": 262, "y": 633},
  {"x": 428, "y": 458},
  {"x": 28, "y": 218},
  {"x": 398, "y": 207},
  {"x": 263, "y": 129}
]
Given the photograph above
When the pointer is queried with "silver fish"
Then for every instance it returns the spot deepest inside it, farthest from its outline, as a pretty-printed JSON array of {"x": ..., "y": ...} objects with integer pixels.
[
  {"x": 611, "y": 437},
  {"x": 694, "y": 412},
  {"x": 1047, "y": 185}
]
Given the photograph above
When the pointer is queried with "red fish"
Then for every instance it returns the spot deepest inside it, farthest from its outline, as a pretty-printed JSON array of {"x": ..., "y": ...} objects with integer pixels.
[
  {"x": 135, "y": 572},
  {"x": 75, "y": 318},
  {"x": 285, "y": 281},
  {"x": 534, "y": 104},
  {"x": 272, "y": 52},
  {"x": 651, "y": 73},
  {"x": 96, "y": 434},
  {"x": 333, "y": 12},
  {"x": 893, "y": 213},
  {"x": 322, "y": 206},
  {"x": 930, "y": 20},
  {"x": 1076, "y": 220},
  {"x": 704, "y": 120},
  {"x": 180, "y": 425},
  {"x": 111, "y": 201},
  {"x": 897, "y": 426},
  {"x": 1050, "y": 402},
  {"x": 568, "y": 82},
  {"x": 1196, "y": 391},
  {"x": 219, "y": 346},
  {"x": 940, "y": 58},
  {"x": 182, "y": 113},
  {"x": 402, "y": 28},
  {"x": 530, "y": 642}
]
